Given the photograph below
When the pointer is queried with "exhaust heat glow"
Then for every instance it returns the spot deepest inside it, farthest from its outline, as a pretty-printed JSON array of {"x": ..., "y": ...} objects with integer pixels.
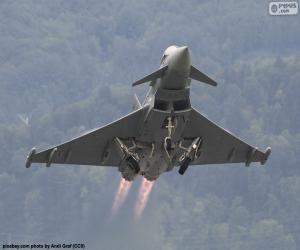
[
  {"x": 144, "y": 192},
  {"x": 121, "y": 194}
]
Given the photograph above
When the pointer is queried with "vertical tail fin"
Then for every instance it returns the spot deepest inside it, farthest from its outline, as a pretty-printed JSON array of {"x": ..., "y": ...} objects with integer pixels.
[{"x": 136, "y": 103}]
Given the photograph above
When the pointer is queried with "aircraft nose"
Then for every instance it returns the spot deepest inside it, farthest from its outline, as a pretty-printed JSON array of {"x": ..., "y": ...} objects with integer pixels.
[{"x": 182, "y": 59}]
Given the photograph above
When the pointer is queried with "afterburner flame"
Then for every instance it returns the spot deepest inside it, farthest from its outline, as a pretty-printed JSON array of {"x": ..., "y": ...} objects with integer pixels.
[
  {"x": 144, "y": 192},
  {"x": 121, "y": 194}
]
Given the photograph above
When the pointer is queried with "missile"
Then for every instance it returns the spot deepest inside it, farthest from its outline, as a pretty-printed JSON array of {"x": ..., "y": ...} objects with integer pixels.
[
  {"x": 191, "y": 153},
  {"x": 184, "y": 166}
]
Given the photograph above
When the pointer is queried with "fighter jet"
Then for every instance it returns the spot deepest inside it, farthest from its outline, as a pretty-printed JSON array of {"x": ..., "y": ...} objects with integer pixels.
[{"x": 163, "y": 132}]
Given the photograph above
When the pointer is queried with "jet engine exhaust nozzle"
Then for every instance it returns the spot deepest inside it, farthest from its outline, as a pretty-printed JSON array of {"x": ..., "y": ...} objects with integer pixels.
[{"x": 129, "y": 166}]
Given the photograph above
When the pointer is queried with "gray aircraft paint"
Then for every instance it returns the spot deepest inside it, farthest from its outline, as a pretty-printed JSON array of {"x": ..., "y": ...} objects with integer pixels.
[{"x": 164, "y": 132}]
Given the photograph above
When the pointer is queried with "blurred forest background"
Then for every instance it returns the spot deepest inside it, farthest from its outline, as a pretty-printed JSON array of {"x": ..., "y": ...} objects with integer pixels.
[{"x": 67, "y": 67}]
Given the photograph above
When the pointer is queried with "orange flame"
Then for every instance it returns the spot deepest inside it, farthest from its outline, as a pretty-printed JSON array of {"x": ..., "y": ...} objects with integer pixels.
[
  {"x": 121, "y": 194},
  {"x": 144, "y": 192}
]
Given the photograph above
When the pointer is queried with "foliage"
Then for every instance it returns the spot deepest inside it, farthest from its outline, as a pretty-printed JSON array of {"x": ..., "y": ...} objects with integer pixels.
[{"x": 66, "y": 67}]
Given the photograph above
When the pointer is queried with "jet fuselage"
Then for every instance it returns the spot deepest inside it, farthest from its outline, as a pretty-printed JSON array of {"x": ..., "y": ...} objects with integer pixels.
[{"x": 168, "y": 100}]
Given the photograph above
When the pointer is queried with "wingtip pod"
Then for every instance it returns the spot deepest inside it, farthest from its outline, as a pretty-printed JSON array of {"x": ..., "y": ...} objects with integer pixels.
[
  {"x": 29, "y": 157},
  {"x": 266, "y": 156}
]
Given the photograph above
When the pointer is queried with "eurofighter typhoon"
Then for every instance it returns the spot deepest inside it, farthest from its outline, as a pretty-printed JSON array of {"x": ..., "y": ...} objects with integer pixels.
[{"x": 163, "y": 132}]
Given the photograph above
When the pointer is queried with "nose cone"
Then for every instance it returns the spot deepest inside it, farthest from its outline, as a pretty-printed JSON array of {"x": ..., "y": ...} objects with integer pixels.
[{"x": 182, "y": 59}]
